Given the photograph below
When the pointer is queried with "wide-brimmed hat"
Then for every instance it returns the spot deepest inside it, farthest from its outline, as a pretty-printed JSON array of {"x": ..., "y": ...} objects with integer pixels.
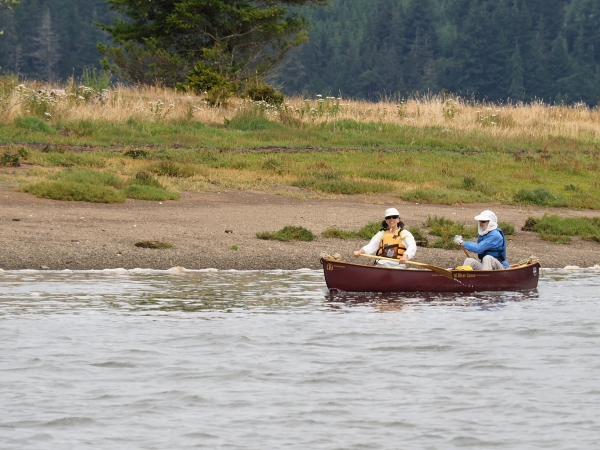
[{"x": 487, "y": 215}]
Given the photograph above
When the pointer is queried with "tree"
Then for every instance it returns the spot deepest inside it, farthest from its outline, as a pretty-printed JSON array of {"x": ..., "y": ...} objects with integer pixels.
[
  {"x": 46, "y": 51},
  {"x": 197, "y": 43},
  {"x": 7, "y": 4}
]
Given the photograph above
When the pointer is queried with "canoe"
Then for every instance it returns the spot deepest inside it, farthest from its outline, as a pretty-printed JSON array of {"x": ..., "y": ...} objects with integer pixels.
[{"x": 343, "y": 276}]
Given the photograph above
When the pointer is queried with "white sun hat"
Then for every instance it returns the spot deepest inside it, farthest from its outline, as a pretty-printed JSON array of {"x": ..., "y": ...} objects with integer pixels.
[
  {"x": 487, "y": 215},
  {"x": 391, "y": 212}
]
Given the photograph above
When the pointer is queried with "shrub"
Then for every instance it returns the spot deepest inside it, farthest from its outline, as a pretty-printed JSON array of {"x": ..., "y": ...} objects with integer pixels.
[
  {"x": 287, "y": 233},
  {"x": 147, "y": 179},
  {"x": 10, "y": 159},
  {"x": 443, "y": 196},
  {"x": 420, "y": 238},
  {"x": 33, "y": 124},
  {"x": 336, "y": 233},
  {"x": 369, "y": 230},
  {"x": 559, "y": 229},
  {"x": 250, "y": 119},
  {"x": 446, "y": 229},
  {"x": 87, "y": 176},
  {"x": 507, "y": 228},
  {"x": 538, "y": 196},
  {"x": 73, "y": 191},
  {"x": 144, "y": 192},
  {"x": 263, "y": 92},
  {"x": 137, "y": 154},
  {"x": 173, "y": 169},
  {"x": 347, "y": 187},
  {"x": 153, "y": 244}
]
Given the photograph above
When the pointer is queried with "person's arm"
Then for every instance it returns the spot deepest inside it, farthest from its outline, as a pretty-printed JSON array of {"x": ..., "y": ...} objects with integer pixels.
[
  {"x": 491, "y": 241},
  {"x": 408, "y": 240},
  {"x": 372, "y": 247}
]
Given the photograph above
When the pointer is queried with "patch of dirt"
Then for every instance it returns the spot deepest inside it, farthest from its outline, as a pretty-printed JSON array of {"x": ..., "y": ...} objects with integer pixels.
[{"x": 206, "y": 228}]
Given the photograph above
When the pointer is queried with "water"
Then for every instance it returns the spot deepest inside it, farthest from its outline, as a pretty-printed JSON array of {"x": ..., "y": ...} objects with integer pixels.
[{"x": 269, "y": 360}]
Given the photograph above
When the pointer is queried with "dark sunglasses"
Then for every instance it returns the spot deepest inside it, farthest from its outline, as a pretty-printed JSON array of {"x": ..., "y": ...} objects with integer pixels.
[
  {"x": 483, "y": 221},
  {"x": 391, "y": 217}
]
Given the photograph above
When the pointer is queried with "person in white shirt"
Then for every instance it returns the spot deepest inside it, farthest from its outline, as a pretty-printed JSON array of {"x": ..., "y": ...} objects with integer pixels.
[{"x": 393, "y": 241}]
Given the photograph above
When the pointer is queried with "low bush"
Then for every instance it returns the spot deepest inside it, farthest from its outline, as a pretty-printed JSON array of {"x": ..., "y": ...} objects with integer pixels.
[
  {"x": 87, "y": 176},
  {"x": 10, "y": 159},
  {"x": 443, "y": 196},
  {"x": 287, "y": 233},
  {"x": 33, "y": 124},
  {"x": 336, "y": 233},
  {"x": 366, "y": 232},
  {"x": 173, "y": 169},
  {"x": 74, "y": 191},
  {"x": 446, "y": 229},
  {"x": 346, "y": 187},
  {"x": 144, "y": 192},
  {"x": 538, "y": 196},
  {"x": 560, "y": 229},
  {"x": 369, "y": 230},
  {"x": 153, "y": 244},
  {"x": 250, "y": 119}
]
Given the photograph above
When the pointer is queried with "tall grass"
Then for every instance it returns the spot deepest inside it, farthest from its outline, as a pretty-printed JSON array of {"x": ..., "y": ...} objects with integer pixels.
[{"x": 426, "y": 150}]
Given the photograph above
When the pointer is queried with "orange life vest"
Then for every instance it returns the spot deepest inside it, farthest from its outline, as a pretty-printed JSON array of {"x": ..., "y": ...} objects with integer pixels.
[{"x": 391, "y": 245}]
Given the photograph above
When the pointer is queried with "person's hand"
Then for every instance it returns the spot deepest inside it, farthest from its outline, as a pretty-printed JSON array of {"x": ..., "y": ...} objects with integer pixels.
[
  {"x": 403, "y": 259},
  {"x": 458, "y": 239},
  {"x": 357, "y": 253}
]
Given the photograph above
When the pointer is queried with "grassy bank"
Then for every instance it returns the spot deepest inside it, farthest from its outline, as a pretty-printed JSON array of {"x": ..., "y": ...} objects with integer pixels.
[{"x": 438, "y": 150}]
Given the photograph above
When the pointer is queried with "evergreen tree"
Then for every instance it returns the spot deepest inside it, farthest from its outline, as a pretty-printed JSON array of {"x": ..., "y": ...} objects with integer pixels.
[
  {"x": 208, "y": 42},
  {"x": 46, "y": 49},
  {"x": 516, "y": 91}
]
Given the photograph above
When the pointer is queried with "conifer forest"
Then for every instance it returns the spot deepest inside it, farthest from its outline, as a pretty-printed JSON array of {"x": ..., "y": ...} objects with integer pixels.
[{"x": 496, "y": 50}]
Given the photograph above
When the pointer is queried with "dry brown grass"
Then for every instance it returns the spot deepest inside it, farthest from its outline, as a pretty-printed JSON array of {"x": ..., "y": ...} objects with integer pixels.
[{"x": 453, "y": 115}]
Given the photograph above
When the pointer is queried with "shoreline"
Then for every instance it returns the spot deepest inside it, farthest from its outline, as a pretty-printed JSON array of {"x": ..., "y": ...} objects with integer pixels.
[{"x": 205, "y": 229}]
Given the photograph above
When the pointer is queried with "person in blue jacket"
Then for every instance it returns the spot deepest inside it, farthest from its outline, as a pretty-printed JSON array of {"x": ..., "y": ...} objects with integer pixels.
[{"x": 490, "y": 246}]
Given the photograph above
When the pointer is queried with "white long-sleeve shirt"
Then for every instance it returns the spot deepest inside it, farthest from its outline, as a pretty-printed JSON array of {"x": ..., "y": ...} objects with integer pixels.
[{"x": 406, "y": 237}]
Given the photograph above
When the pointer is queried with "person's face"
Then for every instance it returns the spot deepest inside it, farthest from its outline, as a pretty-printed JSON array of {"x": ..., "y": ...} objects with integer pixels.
[{"x": 392, "y": 221}]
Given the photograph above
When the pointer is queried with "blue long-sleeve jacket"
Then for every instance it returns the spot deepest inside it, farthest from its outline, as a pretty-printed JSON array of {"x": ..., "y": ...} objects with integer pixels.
[{"x": 492, "y": 243}]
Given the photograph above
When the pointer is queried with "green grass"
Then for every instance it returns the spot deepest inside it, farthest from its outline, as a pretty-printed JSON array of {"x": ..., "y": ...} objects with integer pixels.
[
  {"x": 417, "y": 165},
  {"x": 87, "y": 176},
  {"x": 539, "y": 196},
  {"x": 73, "y": 191},
  {"x": 144, "y": 192},
  {"x": 287, "y": 233},
  {"x": 560, "y": 229},
  {"x": 347, "y": 187}
]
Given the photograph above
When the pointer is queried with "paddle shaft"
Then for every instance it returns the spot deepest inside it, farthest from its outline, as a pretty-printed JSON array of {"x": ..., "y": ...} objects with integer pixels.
[{"x": 440, "y": 270}]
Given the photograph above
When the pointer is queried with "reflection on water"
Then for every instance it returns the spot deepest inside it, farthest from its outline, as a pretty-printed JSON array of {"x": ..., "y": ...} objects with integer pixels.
[
  {"x": 398, "y": 301},
  {"x": 259, "y": 360}
]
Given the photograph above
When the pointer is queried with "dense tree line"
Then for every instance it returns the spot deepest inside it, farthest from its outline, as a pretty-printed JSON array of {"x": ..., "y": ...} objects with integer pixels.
[
  {"x": 52, "y": 39},
  {"x": 489, "y": 49}
]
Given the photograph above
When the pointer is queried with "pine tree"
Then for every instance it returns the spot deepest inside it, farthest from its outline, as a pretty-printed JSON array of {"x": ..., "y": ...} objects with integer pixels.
[
  {"x": 46, "y": 50},
  {"x": 516, "y": 91},
  {"x": 203, "y": 41}
]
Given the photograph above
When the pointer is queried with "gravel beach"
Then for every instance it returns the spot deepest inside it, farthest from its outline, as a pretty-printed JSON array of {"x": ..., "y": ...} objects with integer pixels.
[{"x": 218, "y": 230}]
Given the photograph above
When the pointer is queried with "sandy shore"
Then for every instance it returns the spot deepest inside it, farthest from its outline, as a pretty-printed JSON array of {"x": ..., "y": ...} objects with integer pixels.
[{"x": 39, "y": 233}]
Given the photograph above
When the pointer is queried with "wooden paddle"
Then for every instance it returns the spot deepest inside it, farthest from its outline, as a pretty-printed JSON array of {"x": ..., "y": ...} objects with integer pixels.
[{"x": 444, "y": 272}]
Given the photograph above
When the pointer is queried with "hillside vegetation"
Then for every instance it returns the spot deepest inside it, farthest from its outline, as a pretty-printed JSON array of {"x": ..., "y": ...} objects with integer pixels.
[{"x": 437, "y": 149}]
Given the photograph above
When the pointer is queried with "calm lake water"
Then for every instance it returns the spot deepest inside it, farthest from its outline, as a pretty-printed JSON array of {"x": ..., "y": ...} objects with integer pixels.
[{"x": 269, "y": 360}]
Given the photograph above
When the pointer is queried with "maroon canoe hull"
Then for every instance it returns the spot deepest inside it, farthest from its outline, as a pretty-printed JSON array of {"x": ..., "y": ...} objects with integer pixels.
[{"x": 350, "y": 277}]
